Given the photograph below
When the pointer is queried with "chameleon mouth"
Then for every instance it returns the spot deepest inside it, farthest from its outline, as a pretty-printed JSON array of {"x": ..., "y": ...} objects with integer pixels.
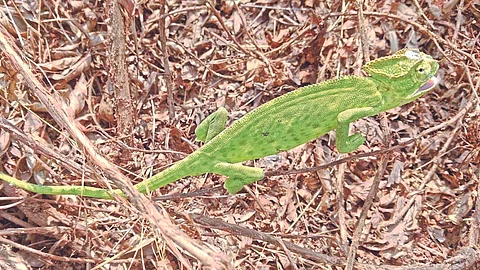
[{"x": 432, "y": 82}]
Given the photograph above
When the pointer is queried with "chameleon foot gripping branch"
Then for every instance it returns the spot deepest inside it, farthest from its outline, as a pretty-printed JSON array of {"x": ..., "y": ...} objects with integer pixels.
[{"x": 286, "y": 122}]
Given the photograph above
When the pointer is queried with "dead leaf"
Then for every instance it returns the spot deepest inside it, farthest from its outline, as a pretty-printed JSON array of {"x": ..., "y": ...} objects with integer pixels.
[
  {"x": 24, "y": 167},
  {"x": 4, "y": 142},
  {"x": 460, "y": 208},
  {"x": 60, "y": 64},
  {"x": 396, "y": 174},
  {"x": 73, "y": 71},
  {"x": 32, "y": 123},
  {"x": 78, "y": 96}
]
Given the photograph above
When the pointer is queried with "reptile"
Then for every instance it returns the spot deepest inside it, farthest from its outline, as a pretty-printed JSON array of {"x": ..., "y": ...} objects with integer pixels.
[{"x": 284, "y": 123}]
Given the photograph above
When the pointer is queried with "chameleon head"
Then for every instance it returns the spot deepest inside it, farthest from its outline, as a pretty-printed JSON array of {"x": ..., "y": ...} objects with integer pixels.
[{"x": 408, "y": 74}]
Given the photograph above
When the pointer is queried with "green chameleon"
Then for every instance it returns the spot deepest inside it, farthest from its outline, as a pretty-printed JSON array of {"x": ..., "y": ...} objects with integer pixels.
[{"x": 286, "y": 122}]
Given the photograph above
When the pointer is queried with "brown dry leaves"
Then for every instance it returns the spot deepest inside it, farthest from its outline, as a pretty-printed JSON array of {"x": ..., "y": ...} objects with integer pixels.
[{"x": 240, "y": 54}]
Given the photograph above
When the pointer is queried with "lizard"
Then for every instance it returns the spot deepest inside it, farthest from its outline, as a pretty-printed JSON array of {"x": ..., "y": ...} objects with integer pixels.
[{"x": 285, "y": 122}]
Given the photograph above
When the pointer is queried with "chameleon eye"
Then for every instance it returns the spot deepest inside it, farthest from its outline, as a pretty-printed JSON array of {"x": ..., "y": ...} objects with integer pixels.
[{"x": 421, "y": 70}]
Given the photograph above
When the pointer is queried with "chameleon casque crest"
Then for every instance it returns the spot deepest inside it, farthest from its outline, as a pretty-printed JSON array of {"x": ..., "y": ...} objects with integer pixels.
[{"x": 286, "y": 122}]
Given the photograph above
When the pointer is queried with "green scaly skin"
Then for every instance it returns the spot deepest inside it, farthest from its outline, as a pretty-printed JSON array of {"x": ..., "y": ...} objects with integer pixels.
[{"x": 286, "y": 122}]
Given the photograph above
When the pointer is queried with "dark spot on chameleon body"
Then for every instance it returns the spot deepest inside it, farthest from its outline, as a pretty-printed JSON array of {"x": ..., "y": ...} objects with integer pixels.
[
  {"x": 279, "y": 121},
  {"x": 266, "y": 133}
]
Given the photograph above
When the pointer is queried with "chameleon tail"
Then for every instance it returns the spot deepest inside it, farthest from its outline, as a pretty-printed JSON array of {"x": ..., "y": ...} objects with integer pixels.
[
  {"x": 178, "y": 171},
  {"x": 60, "y": 190}
]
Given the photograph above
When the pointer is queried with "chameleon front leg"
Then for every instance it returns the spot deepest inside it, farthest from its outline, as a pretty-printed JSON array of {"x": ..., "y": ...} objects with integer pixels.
[
  {"x": 238, "y": 175},
  {"x": 344, "y": 142},
  {"x": 212, "y": 125}
]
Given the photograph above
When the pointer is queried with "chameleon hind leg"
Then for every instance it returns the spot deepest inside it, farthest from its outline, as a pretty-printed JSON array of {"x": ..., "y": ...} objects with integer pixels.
[
  {"x": 212, "y": 125},
  {"x": 238, "y": 175}
]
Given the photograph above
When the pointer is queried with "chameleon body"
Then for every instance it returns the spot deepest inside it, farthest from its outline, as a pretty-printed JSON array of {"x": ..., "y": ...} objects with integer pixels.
[{"x": 286, "y": 122}]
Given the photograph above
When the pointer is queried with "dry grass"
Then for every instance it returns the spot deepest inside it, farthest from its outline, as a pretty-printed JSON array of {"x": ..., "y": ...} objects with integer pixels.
[{"x": 137, "y": 83}]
